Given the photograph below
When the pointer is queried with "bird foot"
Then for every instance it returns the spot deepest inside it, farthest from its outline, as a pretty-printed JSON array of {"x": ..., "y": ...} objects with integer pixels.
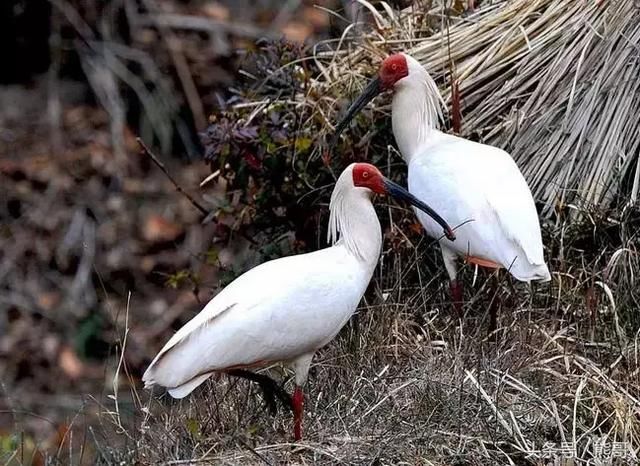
[
  {"x": 494, "y": 307},
  {"x": 298, "y": 405},
  {"x": 271, "y": 390},
  {"x": 456, "y": 289}
]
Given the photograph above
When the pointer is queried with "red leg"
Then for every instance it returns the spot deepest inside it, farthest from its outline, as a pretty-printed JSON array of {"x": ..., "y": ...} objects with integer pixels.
[
  {"x": 298, "y": 403},
  {"x": 494, "y": 307},
  {"x": 456, "y": 295}
]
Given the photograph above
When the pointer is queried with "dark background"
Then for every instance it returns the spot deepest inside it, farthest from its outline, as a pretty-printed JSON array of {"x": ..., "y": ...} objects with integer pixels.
[{"x": 91, "y": 232}]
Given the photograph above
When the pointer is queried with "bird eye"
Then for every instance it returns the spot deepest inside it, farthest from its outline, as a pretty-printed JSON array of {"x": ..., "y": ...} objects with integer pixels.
[
  {"x": 394, "y": 67},
  {"x": 365, "y": 174}
]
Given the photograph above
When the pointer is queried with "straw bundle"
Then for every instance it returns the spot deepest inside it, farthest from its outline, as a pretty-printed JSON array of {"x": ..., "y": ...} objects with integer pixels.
[{"x": 555, "y": 83}]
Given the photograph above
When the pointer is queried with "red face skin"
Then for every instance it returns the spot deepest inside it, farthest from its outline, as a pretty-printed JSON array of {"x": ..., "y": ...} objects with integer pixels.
[
  {"x": 393, "y": 69},
  {"x": 366, "y": 175}
]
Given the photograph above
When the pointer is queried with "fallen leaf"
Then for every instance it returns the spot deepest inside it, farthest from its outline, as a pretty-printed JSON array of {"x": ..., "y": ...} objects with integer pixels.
[
  {"x": 318, "y": 18},
  {"x": 297, "y": 31},
  {"x": 416, "y": 228},
  {"x": 48, "y": 300},
  {"x": 147, "y": 263},
  {"x": 302, "y": 144},
  {"x": 193, "y": 426},
  {"x": 157, "y": 229},
  {"x": 215, "y": 10},
  {"x": 70, "y": 363}
]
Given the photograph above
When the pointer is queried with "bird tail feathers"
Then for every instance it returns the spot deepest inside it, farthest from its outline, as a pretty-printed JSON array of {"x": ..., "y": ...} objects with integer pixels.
[{"x": 183, "y": 390}]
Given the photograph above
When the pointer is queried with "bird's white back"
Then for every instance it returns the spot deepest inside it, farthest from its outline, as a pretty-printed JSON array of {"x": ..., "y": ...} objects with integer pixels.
[
  {"x": 282, "y": 309},
  {"x": 481, "y": 185}
]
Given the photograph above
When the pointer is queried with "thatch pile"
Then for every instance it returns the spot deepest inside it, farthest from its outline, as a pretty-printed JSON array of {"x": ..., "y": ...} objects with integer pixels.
[{"x": 555, "y": 83}]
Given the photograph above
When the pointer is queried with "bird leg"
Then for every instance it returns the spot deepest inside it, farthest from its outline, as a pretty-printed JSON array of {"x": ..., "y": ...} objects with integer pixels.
[
  {"x": 456, "y": 288},
  {"x": 270, "y": 389},
  {"x": 298, "y": 404},
  {"x": 493, "y": 307},
  {"x": 301, "y": 365}
]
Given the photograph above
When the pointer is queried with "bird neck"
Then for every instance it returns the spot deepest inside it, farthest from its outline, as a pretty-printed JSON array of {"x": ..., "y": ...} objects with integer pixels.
[
  {"x": 354, "y": 224},
  {"x": 415, "y": 112}
]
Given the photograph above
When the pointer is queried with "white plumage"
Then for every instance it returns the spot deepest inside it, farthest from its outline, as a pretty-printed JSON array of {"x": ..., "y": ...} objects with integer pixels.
[
  {"x": 466, "y": 182},
  {"x": 282, "y": 310},
  {"x": 477, "y": 188},
  {"x": 481, "y": 185},
  {"x": 288, "y": 308}
]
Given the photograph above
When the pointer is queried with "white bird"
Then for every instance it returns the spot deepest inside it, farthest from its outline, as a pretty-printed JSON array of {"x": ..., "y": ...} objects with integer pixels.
[
  {"x": 286, "y": 309},
  {"x": 476, "y": 186}
]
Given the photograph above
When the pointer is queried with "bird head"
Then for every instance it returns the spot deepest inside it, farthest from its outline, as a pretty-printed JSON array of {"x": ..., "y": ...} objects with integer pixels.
[
  {"x": 393, "y": 70},
  {"x": 365, "y": 175}
]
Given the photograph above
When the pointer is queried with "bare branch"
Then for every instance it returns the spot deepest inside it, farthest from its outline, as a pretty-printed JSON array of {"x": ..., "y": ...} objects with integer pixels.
[{"x": 161, "y": 166}]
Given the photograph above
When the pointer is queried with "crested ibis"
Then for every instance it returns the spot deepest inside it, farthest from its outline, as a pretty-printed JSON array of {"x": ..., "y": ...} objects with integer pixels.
[
  {"x": 286, "y": 309},
  {"x": 476, "y": 186}
]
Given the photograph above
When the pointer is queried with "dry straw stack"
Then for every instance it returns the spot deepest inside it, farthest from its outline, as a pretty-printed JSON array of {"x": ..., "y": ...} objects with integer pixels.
[{"x": 556, "y": 83}]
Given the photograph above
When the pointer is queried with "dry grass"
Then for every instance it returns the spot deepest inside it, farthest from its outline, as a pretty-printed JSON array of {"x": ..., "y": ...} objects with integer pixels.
[{"x": 407, "y": 383}]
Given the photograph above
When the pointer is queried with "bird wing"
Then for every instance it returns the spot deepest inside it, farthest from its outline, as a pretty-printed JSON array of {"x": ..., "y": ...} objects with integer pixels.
[
  {"x": 212, "y": 310},
  {"x": 185, "y": 341},
  {"x": 183, "y": 390},
  {"x": 464, "y": 181},
  {"x": 514, "y": 208},
  {"x": 276, "y": 311}
]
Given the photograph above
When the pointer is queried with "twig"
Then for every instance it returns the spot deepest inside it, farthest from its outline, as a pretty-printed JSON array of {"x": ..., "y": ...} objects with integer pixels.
[
  {"x": 161, "y": 166},
  {"x": 209, "y": 178},
  {"x": 501, "y": 419},
  {"x": 116, "y": 376},
  {"x": 385, "y": 398},
  {"x": 254, "y": 452},
  {"x": 456, "y": 114},
  {"x": 195, "y": 203}
]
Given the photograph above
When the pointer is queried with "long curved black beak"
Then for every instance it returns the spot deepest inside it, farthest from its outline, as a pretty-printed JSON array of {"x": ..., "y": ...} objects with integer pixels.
[
  {"x": 373, "y": 89},
  {"x": 400, "y": 193}
]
